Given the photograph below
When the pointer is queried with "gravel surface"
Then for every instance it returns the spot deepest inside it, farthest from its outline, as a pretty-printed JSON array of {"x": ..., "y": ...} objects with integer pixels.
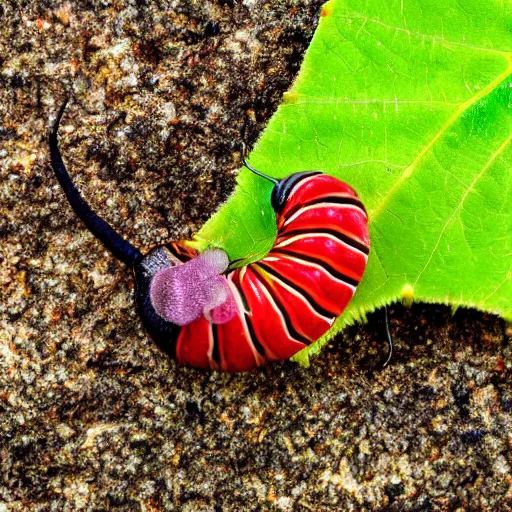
[{"x": 92, "y": 415}]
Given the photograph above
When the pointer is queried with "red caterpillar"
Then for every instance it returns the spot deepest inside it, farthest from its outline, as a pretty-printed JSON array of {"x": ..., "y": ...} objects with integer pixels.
[
  {"x": 288, "y": 299},
  {"x": 267, "y": 310}
]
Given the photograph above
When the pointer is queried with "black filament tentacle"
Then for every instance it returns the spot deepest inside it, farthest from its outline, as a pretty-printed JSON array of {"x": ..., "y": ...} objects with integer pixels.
[
  {"x": 102, "y": 230},
  {"x": 389, "y": 339},
  {"x": 255, "y": 171}
]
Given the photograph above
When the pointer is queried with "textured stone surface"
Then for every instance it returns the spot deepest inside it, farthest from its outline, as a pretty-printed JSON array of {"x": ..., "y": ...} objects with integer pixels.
[{"x": 92, "y": 415}]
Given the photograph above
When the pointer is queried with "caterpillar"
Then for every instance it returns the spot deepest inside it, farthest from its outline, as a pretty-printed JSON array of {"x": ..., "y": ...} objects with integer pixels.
[{"x": 206, "y": 315}]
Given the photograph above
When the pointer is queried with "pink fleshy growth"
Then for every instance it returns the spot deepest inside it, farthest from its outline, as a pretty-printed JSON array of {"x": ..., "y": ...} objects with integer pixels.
[
  {"x": 181, "y": 294},
  {"x": 218, "y": 292},
  {"x": 217, "y": 259},
  {"x": 223, "y": 307},
  {"x": 174, "y": 296}
]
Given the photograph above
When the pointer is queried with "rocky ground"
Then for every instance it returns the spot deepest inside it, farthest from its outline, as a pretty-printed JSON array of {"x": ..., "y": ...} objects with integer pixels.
[{"x": 92, "y": 415}]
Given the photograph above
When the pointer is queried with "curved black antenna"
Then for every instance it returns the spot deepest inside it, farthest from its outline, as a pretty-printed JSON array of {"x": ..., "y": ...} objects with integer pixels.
[
  {"x": 389, "y": 338},
  {"x": 115, "y": 243},
  {"x": 255, "y": 171}
]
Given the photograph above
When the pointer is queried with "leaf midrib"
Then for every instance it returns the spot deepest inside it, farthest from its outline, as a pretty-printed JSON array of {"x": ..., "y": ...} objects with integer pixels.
[{"x": 373, "y": 214}]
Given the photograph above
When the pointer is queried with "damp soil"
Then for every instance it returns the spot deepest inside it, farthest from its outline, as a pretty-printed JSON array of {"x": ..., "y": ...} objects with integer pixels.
[{"x": 92, "y": 415}]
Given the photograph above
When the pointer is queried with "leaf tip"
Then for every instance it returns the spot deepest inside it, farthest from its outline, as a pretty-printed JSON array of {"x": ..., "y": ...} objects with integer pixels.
[
  {"x": 197, "y": 243},
  {"x": 407, "y": 293},
  {"x": 326, "y": 11},
  {"x": 290, "y": 97},
  {"x": 302, "y": 358}
]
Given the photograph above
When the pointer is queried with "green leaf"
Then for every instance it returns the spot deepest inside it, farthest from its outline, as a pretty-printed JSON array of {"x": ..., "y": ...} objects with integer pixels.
[{"x": 410, "y": 102}]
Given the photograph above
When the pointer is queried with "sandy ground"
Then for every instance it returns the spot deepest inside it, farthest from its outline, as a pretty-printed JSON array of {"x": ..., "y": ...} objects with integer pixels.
[{"x": 92, "y": 415}]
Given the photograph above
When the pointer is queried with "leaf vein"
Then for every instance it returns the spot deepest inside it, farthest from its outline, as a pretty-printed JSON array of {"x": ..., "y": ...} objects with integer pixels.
[
  {"x": 461, "y": 202},
  {"x": 433, "y": 37}
]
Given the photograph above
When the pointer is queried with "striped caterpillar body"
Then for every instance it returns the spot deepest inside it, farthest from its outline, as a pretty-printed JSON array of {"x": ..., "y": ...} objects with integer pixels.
[
  {"x": 281, "y": 303},
  {"x": 288, "y": 299}
]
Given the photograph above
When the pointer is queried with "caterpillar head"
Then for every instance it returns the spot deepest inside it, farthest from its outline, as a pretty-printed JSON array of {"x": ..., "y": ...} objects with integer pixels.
[{"x": 283, "y": 188}]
